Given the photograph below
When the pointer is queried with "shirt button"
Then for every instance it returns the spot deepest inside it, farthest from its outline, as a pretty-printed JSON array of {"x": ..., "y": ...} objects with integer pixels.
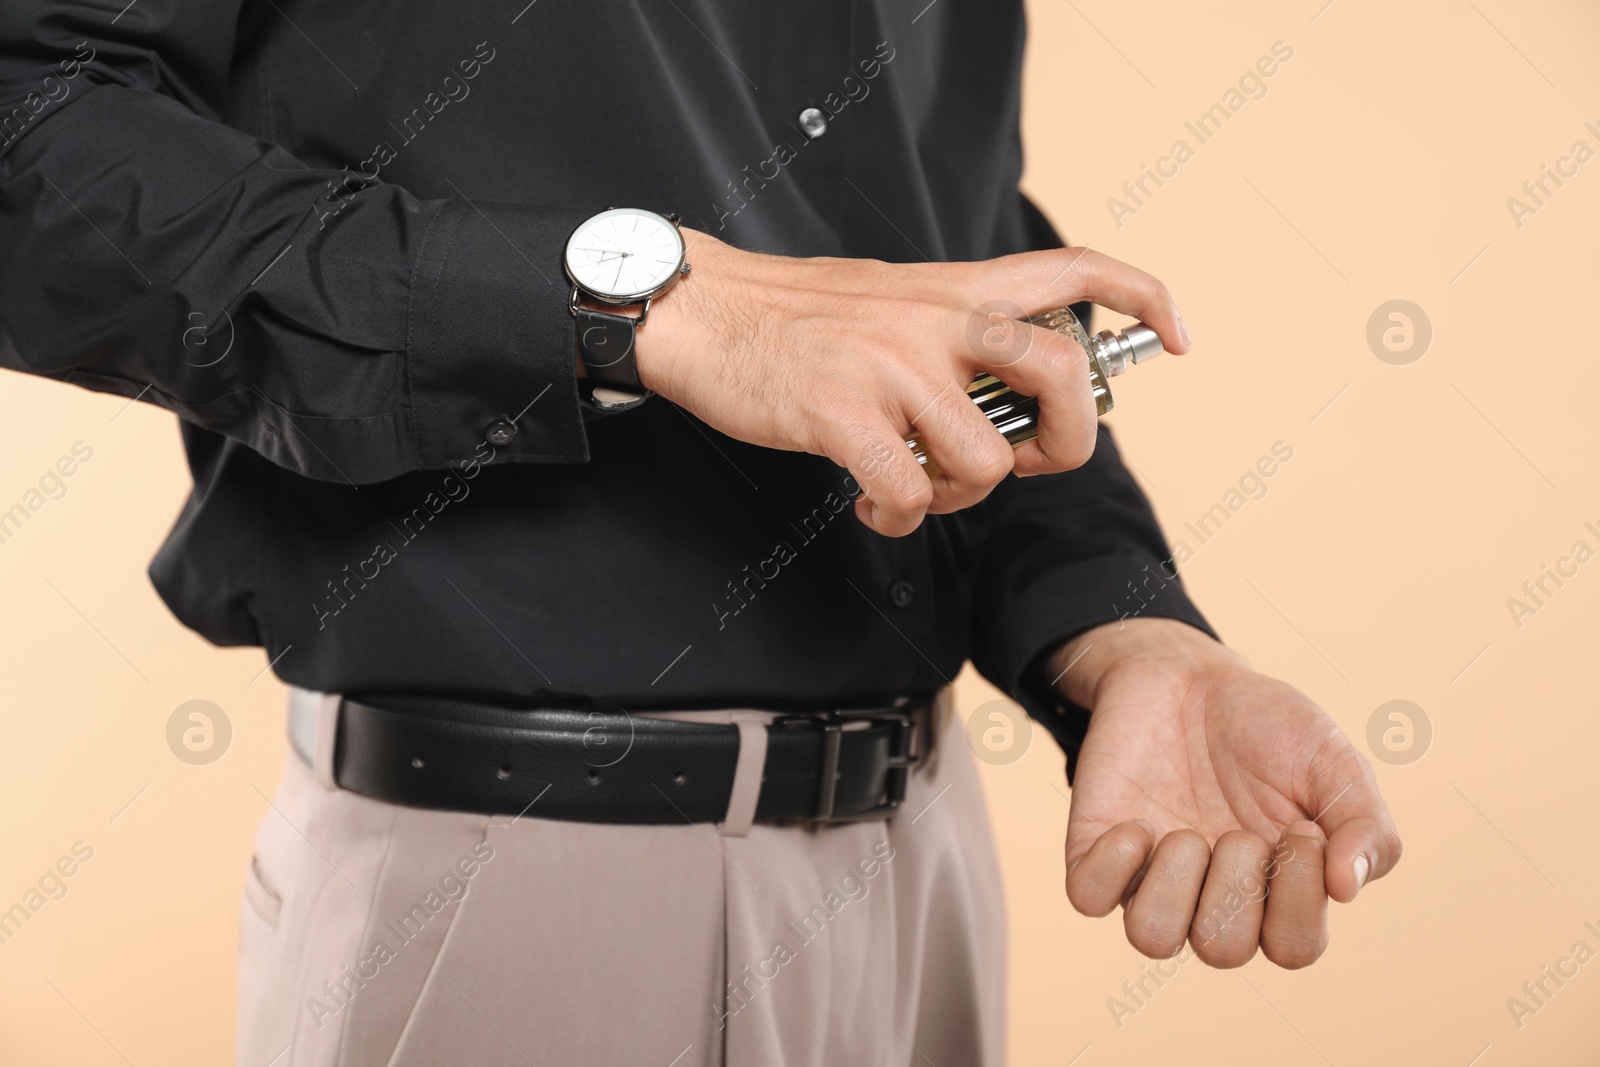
[
  {"x": 901, "y": 594},
  {"x": 500, "y": 432},
  {"x": 814, "y": 122}
]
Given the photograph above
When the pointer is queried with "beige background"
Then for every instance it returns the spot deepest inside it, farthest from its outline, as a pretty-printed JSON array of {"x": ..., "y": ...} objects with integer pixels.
[{"x": 1377, "y": 567}]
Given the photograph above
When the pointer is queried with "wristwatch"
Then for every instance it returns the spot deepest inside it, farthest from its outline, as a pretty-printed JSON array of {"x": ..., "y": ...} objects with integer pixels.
[{"x": 621, "y": 257}]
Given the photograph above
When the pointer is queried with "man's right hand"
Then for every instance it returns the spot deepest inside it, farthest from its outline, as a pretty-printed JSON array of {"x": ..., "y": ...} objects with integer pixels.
[{"x": 843, "y": 358}]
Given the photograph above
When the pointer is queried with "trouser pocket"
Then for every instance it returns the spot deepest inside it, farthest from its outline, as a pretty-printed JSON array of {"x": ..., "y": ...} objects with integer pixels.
[
  {"x": 260, "y": 899},
  {"x": 263, "y": 1015}
]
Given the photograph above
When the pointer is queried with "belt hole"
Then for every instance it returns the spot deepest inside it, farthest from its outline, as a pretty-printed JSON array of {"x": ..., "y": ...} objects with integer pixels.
[
  {"x": 503, "y": 773},
  {"x": 594, "y": 777},
  {"x": 678, "y": 778},
  {"x": 417, "y": 762}
]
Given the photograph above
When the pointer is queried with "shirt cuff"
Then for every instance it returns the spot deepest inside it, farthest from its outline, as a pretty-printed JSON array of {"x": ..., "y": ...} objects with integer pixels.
[
  {"x": 491, "y": 343},
  {"x": 1057, "y": 605}
]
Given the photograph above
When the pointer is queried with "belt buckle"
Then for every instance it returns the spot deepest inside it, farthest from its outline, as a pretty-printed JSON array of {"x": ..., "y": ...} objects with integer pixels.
[{"x": 907, "y": 750}]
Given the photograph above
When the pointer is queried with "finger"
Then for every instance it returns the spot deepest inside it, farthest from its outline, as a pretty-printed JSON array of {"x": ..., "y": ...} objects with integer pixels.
[
  {"x": 1363, "y": 843},
  {"x": 895, "y": 493},
  {"x": 1097, "y": 880},
  {"x": 1294, "y": 932},
  {"x": 1055, "y": 370},
  {"x": 970, "y": 454},
  {"x": 1037, "y": 363},
  {"x": 1227, "y": 922},
  {"x": 1157, "y": 919},
  {"x": 1041, "y": 281}
]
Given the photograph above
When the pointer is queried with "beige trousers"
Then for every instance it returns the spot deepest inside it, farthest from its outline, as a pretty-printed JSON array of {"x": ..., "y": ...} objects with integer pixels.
[{"x": 374, "y": 934}]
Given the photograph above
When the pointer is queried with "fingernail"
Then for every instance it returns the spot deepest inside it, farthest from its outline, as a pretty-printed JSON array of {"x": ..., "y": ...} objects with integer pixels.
[
  {"x": 1361, "y": 867},
  {"x": 1183, "y": 332}
]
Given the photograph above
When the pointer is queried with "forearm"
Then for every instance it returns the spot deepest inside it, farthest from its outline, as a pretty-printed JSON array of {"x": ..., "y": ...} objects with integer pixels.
[{"x": 343, "y": 328}]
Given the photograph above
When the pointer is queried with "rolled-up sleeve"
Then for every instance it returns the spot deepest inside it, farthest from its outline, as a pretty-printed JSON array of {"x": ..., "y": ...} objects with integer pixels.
[{"x": 344, "y": 329}]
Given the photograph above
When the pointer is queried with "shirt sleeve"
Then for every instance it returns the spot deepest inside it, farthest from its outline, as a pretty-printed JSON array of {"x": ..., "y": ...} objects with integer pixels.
[
  {"x": 343, "y": 328},
  {"x": 1064, "y": 553}
]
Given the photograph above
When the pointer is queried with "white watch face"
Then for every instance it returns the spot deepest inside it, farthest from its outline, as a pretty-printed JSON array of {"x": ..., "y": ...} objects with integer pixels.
[{"x": 624, "y": 254}]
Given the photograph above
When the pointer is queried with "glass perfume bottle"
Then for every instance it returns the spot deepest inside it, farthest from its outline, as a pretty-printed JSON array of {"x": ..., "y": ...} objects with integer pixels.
[{"x": 1017, "y": 416}]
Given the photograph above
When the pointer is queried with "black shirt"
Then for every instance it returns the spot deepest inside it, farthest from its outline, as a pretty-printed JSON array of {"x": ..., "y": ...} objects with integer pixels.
[{"x": 328, "y": 237}]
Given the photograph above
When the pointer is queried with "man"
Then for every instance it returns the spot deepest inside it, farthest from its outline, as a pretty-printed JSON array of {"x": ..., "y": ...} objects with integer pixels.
[{"x": 616, "y": 739}]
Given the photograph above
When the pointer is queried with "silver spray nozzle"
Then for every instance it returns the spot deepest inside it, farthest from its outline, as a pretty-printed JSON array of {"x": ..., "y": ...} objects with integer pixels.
[{"x": 1135, "y": 344}]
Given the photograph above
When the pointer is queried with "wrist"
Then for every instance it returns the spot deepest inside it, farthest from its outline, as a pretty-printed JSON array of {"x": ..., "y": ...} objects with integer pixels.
[
  {"x": 664, "y": 335},
  {"x": 1081, "y": 664}
]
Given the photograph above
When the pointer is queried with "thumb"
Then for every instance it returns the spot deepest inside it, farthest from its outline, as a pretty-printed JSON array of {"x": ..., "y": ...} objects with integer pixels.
[{"x": 1363, "y": 843}]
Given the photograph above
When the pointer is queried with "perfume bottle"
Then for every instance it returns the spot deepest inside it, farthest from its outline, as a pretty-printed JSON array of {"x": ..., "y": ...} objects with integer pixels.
[{"x": 1017, "y": 416}]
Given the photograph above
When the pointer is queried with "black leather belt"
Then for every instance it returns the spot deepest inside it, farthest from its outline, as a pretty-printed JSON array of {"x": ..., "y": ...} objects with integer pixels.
[{"x": 591, "y": 766}]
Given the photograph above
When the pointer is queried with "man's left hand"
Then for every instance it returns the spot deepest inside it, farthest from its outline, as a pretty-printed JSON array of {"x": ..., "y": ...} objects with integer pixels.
[{"x": 1213, "y": 803}]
